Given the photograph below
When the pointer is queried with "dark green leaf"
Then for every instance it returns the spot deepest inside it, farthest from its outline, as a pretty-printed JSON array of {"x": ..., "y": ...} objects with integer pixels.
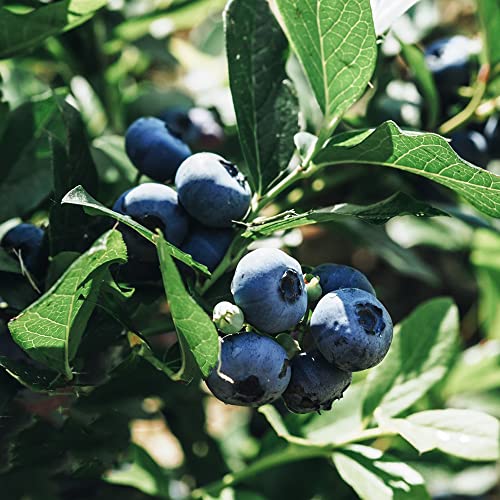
[
  {"x": 377, "y": 213},
  {"x": 467, "y": 434},
  {"x": 25, "y": 168},
  {"x": 489, "y": 14},
  {"x": 78, "y": 196},
  {"x": 72, "y": 165},
  {"x": 421, "y": 353},
  {"x": 428, "y": 155},
  {"x": 19, "y": 32},
  {"x": 35, "y": 379},
  {"x": 335, "y": 43},
  {"x": 8, "y": 264},
  {"x": 196, "y": 332},
  {"x": 424, "y": 80},
  {"x": 50, "y": 329},
  {"x": 375, "y": 476},
  {"x": 265, "y": 101}
]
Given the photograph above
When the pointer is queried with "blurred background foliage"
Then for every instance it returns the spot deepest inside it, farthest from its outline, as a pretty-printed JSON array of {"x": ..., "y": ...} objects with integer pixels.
[{"x": 138, "y": 434}]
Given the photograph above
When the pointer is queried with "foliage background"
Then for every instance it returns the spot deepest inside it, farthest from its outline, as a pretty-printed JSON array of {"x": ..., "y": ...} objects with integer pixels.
[{"x": 101, "y": 417}]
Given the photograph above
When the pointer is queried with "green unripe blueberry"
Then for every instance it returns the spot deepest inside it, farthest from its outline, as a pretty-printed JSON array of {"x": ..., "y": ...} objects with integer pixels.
[
  {"x": 228, "y": 317},
  {"x": 313, "y": 288}
]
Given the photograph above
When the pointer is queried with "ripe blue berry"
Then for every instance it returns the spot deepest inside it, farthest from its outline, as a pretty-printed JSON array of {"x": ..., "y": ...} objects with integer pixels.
[
  {"x": 351, "y": 329},
  {"x": 269, "y": 287},
  {"x": 254, "y": 370},
  {"x": 315, "y": 384},
  {"x": 154, "y": 150},
  {"x": 336, "y": 276},
  {"x": 212, "y": 190}
]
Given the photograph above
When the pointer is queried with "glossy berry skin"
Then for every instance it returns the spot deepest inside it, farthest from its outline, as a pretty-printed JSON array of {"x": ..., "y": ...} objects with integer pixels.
[
  {"x": 154, "y": 150},
  {"x": 27, "y": 240},
  {"x": 471, "y": 146},
  {"x": 154, "y": 206},
  {"x": 315, "y": 384},
  {"x": 207, "y": 245},
  {"x": 269, "y": 287},
  {"x": 212, "y": 190},
  {"x": 196, "y": 127},
  {"x": 351, "y": 329},
  {"x": 336, "y": 276},
  {"x": 254, "y": 370},
  {"x": 449, "y": 62}
]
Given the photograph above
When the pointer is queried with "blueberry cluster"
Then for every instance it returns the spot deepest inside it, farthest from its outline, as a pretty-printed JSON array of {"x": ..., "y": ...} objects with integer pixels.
[
  {"x": 452, "y": 64},
  {"x": 333, "y": 308},
  {"x": 210, "y": 191}
]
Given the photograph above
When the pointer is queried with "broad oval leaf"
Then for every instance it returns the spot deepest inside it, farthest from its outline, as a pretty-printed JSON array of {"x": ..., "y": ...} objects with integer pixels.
[
  {"x": 467, "y": 434},
  {"x": 50, "y": 329},
  {"x": 374, "y": 476},
  {"x": 196, "y": 332},
  {"x": 425, "y": 154},
  {"x": 265, "y": 101},
  {"x": 78, "y": 196},
  {"x": 336, "y": 44},
  {"x": 422, "y": 350}
]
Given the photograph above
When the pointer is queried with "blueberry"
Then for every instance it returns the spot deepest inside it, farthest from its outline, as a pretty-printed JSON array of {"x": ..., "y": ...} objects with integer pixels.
[
  {"x": 253, "y": 370},
  {"x": 315, "y": 384},
  {"x": 336, "y": 276},
  {"x": 448, "y": 59},
  {"x": 196, "y": 126},
  {"x": 154, "y": 206},
  {"x": 27, "y": 242},
  {"x": 212, "y": 190},
  {"x": 154, "y": 150},
  {"x": 351, "y": 329},
  {"x": 269, "y": 287},
  {"x": 207, "y": 245},
  {"x": 471, "y": 146}
]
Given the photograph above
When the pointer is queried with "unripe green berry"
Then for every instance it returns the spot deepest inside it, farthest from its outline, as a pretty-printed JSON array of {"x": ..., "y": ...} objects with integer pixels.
[
  {"x": 228, "y": 317},
  {"x": 313, "y": 288}
]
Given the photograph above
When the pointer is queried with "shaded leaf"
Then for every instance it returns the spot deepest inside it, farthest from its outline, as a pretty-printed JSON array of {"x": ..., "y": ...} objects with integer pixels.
[
  {"x": 19, "y": 32},
  {"x": 377, "y": 213},
  {"x": 50, "y": 329},
  {"x": 425, "y": 154},
  {"x": 265, "y": 102}
]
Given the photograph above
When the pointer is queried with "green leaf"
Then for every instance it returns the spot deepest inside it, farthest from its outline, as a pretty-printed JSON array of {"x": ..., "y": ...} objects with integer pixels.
[
  {"x": 485, "y": 257},
  {"x": 336, "y": 44},
  {"x": 377, "y": 213},
  {"x": 19, "y": 32},
  {"x": 421, "y": 353},
  {"x": 196, "y": 332},
  {"x": 35, "y": 379},
  {"x": 142, "y": 473},
  {"x": 476, "y": 370},
  {"x": 8, "y": 264},
  {"x": 265, "y": 101},
  {"x": 374, "y": 476},
  {"x": 25, "y": 168},
  {"x": 425, "y": 82},
  {"x": 50, "y": 329},
  {"x": 489, "y": 14},
  {"x": 78, "y": 196},
  {"x": 467, "y": 434},
  {"x": 72, "y": 165},
  {"x": 424, "y": 154}
]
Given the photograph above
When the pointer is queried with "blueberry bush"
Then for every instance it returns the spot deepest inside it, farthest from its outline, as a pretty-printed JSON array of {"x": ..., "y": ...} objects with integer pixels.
[{"x": 249, "y": 249}]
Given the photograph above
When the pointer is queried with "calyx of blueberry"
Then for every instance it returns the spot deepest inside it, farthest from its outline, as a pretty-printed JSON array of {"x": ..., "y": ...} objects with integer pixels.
[
  {"x": 290, "y": 286},
  {"x": 370, "y": 318}
]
